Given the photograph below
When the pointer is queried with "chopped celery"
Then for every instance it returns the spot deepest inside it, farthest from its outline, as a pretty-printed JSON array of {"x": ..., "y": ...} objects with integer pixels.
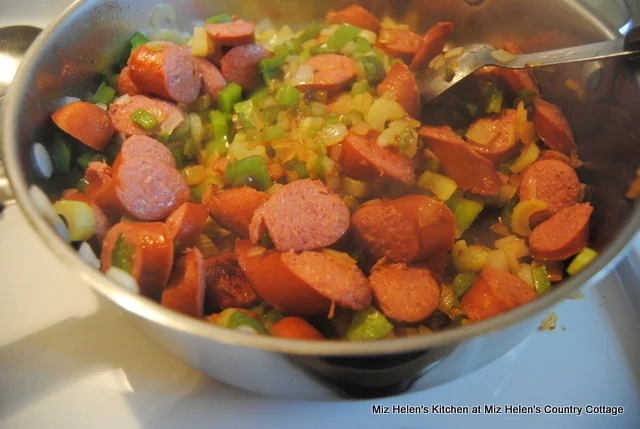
[
  {"x": 343, "y": 35},
  {"x": 197, "y": 191},
  {"x": 177, "y": 149},
  {"x": 355, "y": 188},
  {"x": 583, "y": 259},
  {"x": 239, "y": 319},
  {"x": 61, "y": 155},
  {"x": 220, "y": 146},
  {"x": 270, "y": 68},
  {"x": 299, "y": 167},
  {"x": 144, "y": 119},
  {"x": 541, "y": 282},
  {"x": 462, "y": 282},
  {"x": 122, "y": 255},
  {"x": 219, "y": 19},
  {"x": 244, "y": 110},
  {"x": 82, "y": 184},
  {"x": 190, "y": 149},
  {"x": 273, "y": 316},
  {"x": 288, "y": 96},
  {"x": 361, "y": 87},
  {"x": 442, "y": 186},
  {"x": 274, "y": 132},
  {"x": 229, "y": 96},
  {"x": 368, "y": 324},
  {"x": 249, "y": 171},
  {"x": 464, "y": 211},
  {"x": 362, "y": 45},
  {"x": 373, "y": 68},
  {"x": 493, "y": 100},
  {"x": 104, "y": 94},
  {"x": 137, "y": 39},
  {"x": 311, "y": 32},
  {"x": 220, "y": 125}
]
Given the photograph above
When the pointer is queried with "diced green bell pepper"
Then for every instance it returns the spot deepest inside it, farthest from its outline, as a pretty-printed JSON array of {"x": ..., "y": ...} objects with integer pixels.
[
  {"x": 493, "y": 100},
  {"x": 244, "y": 110},
  {"x": 220, "y": 126},
  {"x": 299, "y": 167},
  {"x": 362, "y": 45},
  {"x": 368, "y": 324},
  {"x": 250, "y": 171},
  {"x": 229, "y": 96},
  {"x": 274, "y": 132},
  {"x": 343, "y": 35},
  {"x": 122, "y": 255},
  {"x": 104, "y": 94},
  {"x": 311, "y": 32},
  {"x": 288, "y": 96},
  {"x": 373, "y": 68},
  {"x": 197, "y": 191},
  {"x": 219, "y": 19},
  {"x": 361, "y": 87},
  {"x": 541, "y": 282},
  {"x": 462, "y": 282},
  {"x": 61, "y": 155},
  {"x": 82, "y": 184},
  {"x": 270, "y": 68},
  {"x": 220, "y": 146},
  {"x": 137, "y": 40}
]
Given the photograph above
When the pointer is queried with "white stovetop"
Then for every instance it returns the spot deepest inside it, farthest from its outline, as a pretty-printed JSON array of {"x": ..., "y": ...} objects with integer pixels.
[{"x": 69, "y": 360}]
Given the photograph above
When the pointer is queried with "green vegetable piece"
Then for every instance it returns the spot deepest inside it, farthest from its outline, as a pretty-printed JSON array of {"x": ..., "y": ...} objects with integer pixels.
[
  {"x": 239, "y": 319},
  {"x": 274, "y": 132},
  {"x": 322, "y": 49},
  {"x": 144, "y": 119},
  {"x": 493, "y": 100},
  {"x": 541, "y": 282},
  {"x": 464, "y": 211},
  {"x": 299, "y": 167},
  {"x": 270, "y": 115},
  {"x": 249, "y": 171},
  {"x": 260, "y": 309},
  {"x": 361, "y": 87},
  {"x": 368, "y": 324},
  {"x": 220, "y": 146},
  {"x": 273, "y": 316},
  {"x": 265, "y": 241},
  {"x": 82, "y": 184},
  {"x": 362, "y": 45},
  {"x": 84, "y": 159},
  {"x": 311, "y": 32},
  {"x": 288, "y": 96},
  {"x": 219, "y": 19},
  {"x": 343, "y": 35},
  {"x": 122, "y": 255},
  {"x": 220, "y": 126},
  {"x": 583, "y": 259},
  {"x": 507, "y": 212},
  {"x": 373, "y": 68},
  {"x": 197, "y": 191},
  {"x": 137, "y": 40},
  {"x": 527, "y": 96},
  {"x": 462, "y": 282},
  {"x": 61, "y": 155},
  {"x": 190, "y": 149},
  {"x": 177, "y": 150},
  {"x": 449, "y": 73},
  {"x": 229, "y": 96},
  {"x": 104, "y": 94},
  {"x": 244, "y": 110},
  {"x": 270, "y": 67},
  {"x": 111, "y": 151},
  {"x": 432, "y": 165}
]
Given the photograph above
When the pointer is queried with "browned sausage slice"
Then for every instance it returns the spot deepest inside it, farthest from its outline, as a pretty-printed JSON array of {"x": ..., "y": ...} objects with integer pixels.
[
  {"x": 552, "y": 127},
  {"x": 399, "y": 43},
  {"x": 553, "y": 182},
  {"x": 227, "y": 286},
  {"x": 471, "y": 171},
  {"x": 185, "y": 291},
  {"x": 355, "y": 15},
  {"x": 502, "y": 140},
  {"x": 240, "y": 65},
  {"x": 563, "y": 235},
  {"x": 85, "y": 122},
  {"x": 165, "y": 70},
  {"x": 295, "y": 328},
  {"x": 151, "y": 251},
  {"x": 331, "y": 72},
  {"x": 138, "y": 145},
  {"x": 404, "y": 294},
  {"x": 516, "y": 80},
  {"x": 122, "y": 109},
  {"x": 302, "y": 215},
  {"x": 431, "y": 45},
  {"x": 185, "y": 225},
  {"x": 212, "y": 79},
  {"x": 125, "y": 85},
  {"x": 233, "y": 209},
  {"x": 399, "y": 84},
  {"x": 149, "y": 189},
  {"x": 103, "y": 224},
  {"x": 363, "y": 159},
  {"x": 101, "y": 188},
  {"x": 495, "y": 292},
  {"x": 232, "y": 33}
]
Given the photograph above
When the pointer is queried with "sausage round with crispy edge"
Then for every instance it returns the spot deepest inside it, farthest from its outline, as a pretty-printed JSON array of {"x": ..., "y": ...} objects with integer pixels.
[
  {"x": 563, "y": 235},
  {"x": 331, "y": 72},
  {"x": 303, "y": 215},
  {"x": 233, "y": 208},
  {"x": 355, "y": 15},
  {"x": 165, "y": 70},
  {"x": 232, "y": 33},
  {"x": 151, "y": 251},
  {"x": 516, "y": 80},
  {"x": 404, "y": 294},
  {"x": 185, "y": 225},
  {"x": 186, "y": 287},
  {"x": 470, "y": 170},
  {"x": 399, "y": 43},
  {"x": 295, "y": 328},
  {"x": 552, "y": 127},
  {"x": 150, "y": 189},
  {"x": 103, "y": 224},
  {"x": 101, "y": 188},
  {"x": 85, "y": 122},
  {"x": 399, "y": 84},
  {"x": 138, "y": 145},
  {"x": 125, "y": 85},
  {"x": 240, "y": 65},
  {"x": 553, "y": 182},
  {"x": 227, "y": 286},
  {"x": 363, "y": 159},
  {"x": 503, "y": 142},
  {"x": 431, "y": 45},
  {"x": 212, "y": 79},
  {"x": 495, "y": 292},
  {"x": 122, "y": 109}
]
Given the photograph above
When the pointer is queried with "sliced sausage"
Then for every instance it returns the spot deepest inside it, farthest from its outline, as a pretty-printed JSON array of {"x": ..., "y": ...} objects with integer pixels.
[
  {"x": 150, "y": 189},
  {"x": 125, "y": 85},
  {"x": 165, "y": 70},
  {"x": 404, "y": 294},
  {"x": 227, "y": 286},
  {"x": 103, "y": 224},
  {"x": 563, "y": 235},
  {"x": 399, "y": 43},
  {"x": 122, "y": 109},
  {"x": 151, "y": 251},
  {"x": 471, "y": 171},
  {"x": 85, "y": 122},
  {"x": 101, "y": 188},
  {"x": 233, "y": 209},
  {"x": 573, "y": 161},
  {"x": 552, "y": 127},
  {"x": 400, "y": 85},
  {"x": 232, "y": 33},
  {"x": 240, "y": 65},
  {"x": 212, "y": 79},
  {"x": 302, "y": 215},
  {"x": 295, "y": 328},
  {"x": 185, "y": 291},
  {"x": 355, "y": 15},
  {"x": 138, "y": 145},
  {"x": 502, "y": 145},
  {"x": 331, "y": 72},
  {"x": 553, "y": 182},
  {"x": 431, "y": 45},
  {"x": 516, "y": 80},
  {"x": 185, "y": 225},
  {"x": 495, "y": 292},
  {"x": 363, "y": 159}
]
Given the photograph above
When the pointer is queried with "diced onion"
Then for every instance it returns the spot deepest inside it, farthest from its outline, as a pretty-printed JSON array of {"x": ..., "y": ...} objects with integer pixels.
[
  {"x": 497, "y": 259},
  {"x": 41, "y": 160},
  {"x": 442, "y": 187},
  {"x": 199, "y": 42},
  {"x": 370, "y": 36},
  {"x": 525, "y": 273},
  {"x": 171, "y": 123},
  {"x": 163, "y": 16},
  {"x": 349, "y": 48},
  {"x": 197, "y": 132},
  {"x": 333, "y": 133},
  {"x": 80, "y": 218},
  {"x": 124, "y": 279},
  {"x": 482, "y": 131},
  {"x": 86, "y": 253},
  {"x": 522, "y": 212},
  {"x": 454, "y": 52},
  {"x": 468, "y": 259},
  {"x": 437, "y": 62},
  {"x": 123, "y": 99},
  {"x": 503, "y": 56},
  {"x": 303, "y": 76},
  {"x": 383, "y": 110}
]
